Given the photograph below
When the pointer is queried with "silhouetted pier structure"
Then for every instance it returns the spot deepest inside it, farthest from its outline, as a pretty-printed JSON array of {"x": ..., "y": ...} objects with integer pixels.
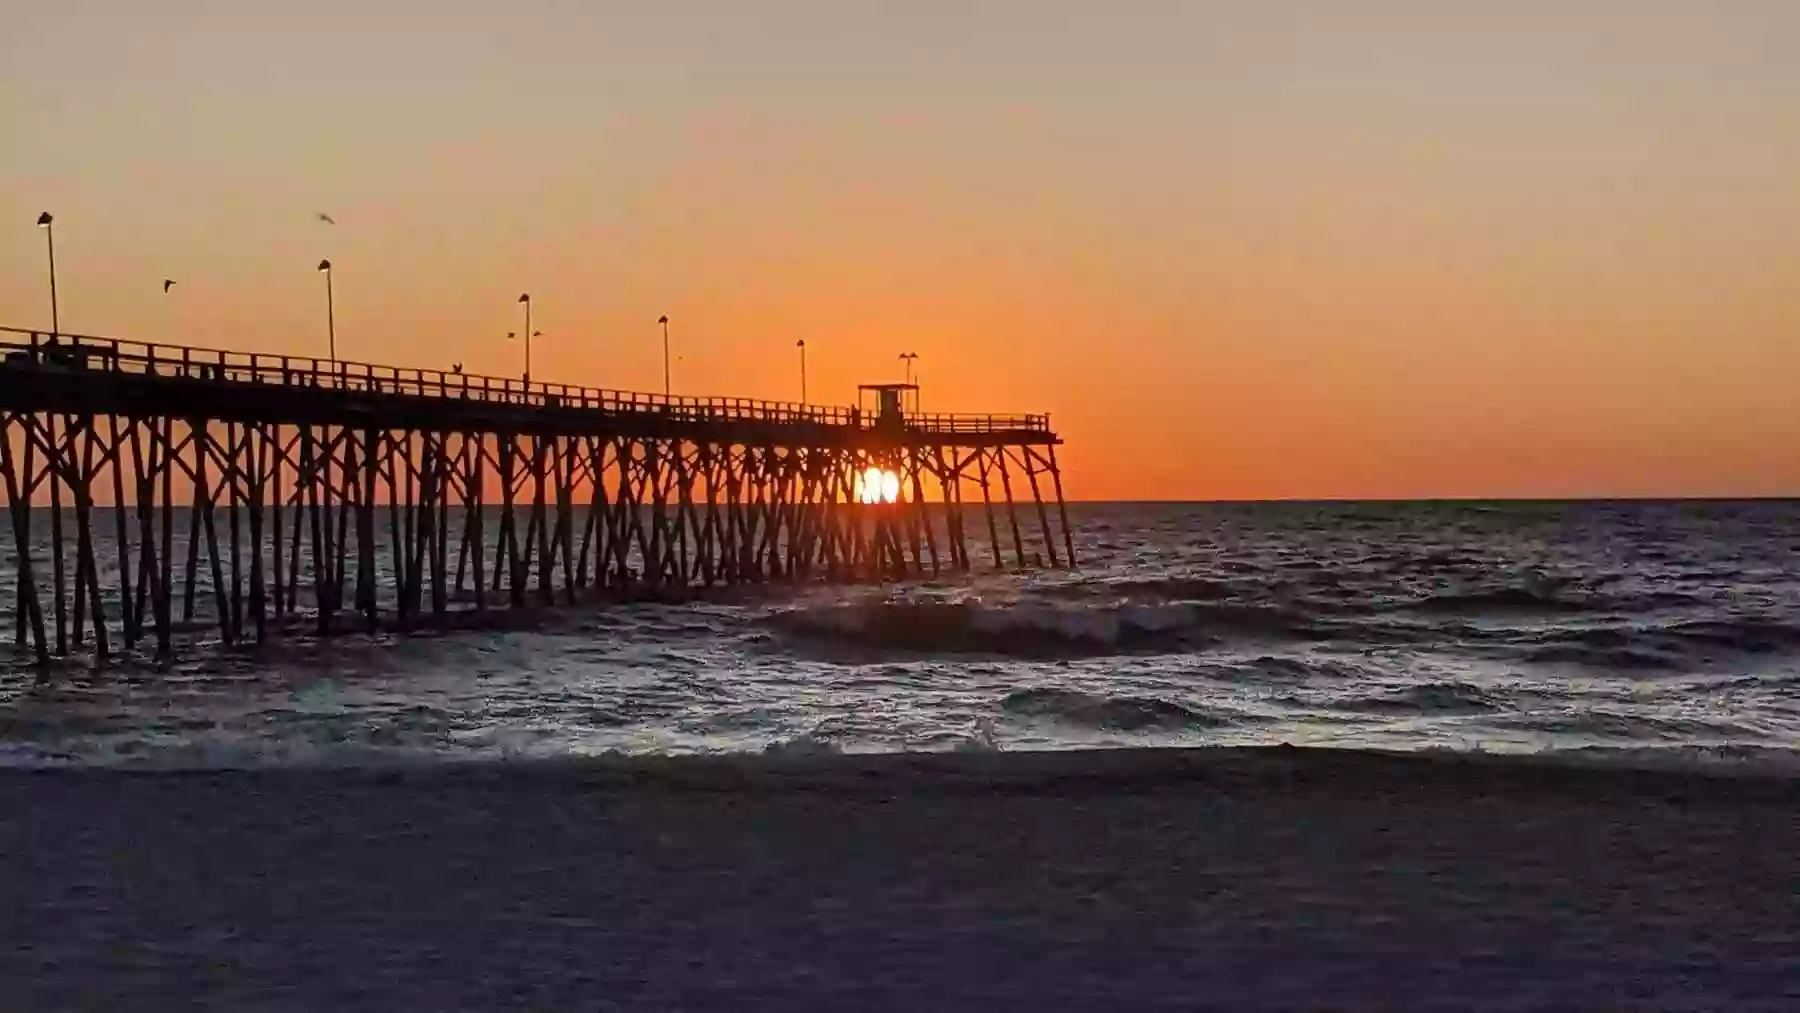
[{"x": 329, "y": 490}]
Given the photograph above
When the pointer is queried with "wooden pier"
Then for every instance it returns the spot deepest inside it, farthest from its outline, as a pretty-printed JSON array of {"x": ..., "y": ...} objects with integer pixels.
[{"x": 335, "y": 493}]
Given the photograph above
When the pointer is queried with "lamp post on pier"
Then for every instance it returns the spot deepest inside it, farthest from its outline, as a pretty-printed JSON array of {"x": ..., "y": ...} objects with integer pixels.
[
  {"x": 525, "y": 300},
  {"x": 801, "y": 344},
  {"x": 45, "y": 221},
  {"x": 330, "y": 311},
  {"x": 909, "y": 358},
  {"x": 664, "y": 321},
  {"x": 170, "y": 319}
]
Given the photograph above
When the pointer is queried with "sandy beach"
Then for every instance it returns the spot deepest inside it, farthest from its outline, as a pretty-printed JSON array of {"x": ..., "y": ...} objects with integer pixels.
[{"x": 1120, "y": 880}]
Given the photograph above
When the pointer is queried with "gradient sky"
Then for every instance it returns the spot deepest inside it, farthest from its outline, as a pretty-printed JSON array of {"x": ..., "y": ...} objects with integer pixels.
[{"x": 1257, "y": 249}]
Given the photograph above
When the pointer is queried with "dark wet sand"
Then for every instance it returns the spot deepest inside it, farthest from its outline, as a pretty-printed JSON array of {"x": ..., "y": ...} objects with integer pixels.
[{"x": 1117, "y": 881}]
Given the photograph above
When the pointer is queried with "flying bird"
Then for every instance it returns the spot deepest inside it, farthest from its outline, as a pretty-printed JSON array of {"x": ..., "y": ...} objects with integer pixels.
[
  {"x": 327, "y": 219},
  {"x": 168, "y": 283}
]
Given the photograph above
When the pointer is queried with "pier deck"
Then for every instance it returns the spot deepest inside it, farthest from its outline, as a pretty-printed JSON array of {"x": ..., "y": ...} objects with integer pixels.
[{"x": 325, "y": 488}]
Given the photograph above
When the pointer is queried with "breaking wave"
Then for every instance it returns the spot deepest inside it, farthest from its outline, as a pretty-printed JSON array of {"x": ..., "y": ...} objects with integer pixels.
[
  {"x": 1669, "y": 646},
  {"x": 1601, "y": 723},
  {"x": 1063, "y": 628},
  {"x": 803, "y": 745},
  {"x": 1039, "y": 630},
  {"x": 1528, "y": 598},
  {"x": 1323, "y": 593},
  {"x": 1430, "y": 698},
  {"x": 1109, "y": 713},
  {"x": 1155, "y": 589},
  {"x": 1546, "y": 597}
]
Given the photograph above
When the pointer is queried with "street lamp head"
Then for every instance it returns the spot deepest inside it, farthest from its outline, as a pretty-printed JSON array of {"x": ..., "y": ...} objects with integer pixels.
[
  {"x": 800, "y": 344},
  {"x": 324, "y": 267},
  {"x": 525, "y": 297},
  {"x": 663, "y": 319},
  {"x": 44, "y": 220}
]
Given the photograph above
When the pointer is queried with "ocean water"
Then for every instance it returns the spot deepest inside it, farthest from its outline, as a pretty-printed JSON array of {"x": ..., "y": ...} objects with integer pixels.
[{"x": 1583, "y": 629}]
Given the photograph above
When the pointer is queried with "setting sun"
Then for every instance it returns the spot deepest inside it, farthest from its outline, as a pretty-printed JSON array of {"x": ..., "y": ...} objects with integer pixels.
[{"x": 877, "y": 486}]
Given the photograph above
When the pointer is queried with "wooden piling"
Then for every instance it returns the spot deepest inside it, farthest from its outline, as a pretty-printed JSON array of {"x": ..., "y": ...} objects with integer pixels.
[
  {"x": 26, "y": 487},
  {"x": 54, "y": 457},
  {"x": 1012, "y": 516},
  {"x": 278, "y": 465},
  {"x": 85, "y": 562},
  {"x": 165, "y": 625},
  {"x": 18, "y": 500},
  {"x": 1037, "y": 499},
  {"x": 1062, "y": 507},
  {"x": 121, "y": 529},
  {"x": 259, "y": 462}
]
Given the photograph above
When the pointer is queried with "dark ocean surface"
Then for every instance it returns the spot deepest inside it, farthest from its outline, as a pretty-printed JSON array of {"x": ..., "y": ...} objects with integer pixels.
[{"x": 1647, "y": 630}]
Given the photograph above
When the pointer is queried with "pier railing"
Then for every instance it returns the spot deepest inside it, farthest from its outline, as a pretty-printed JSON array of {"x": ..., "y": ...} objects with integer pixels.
[{"x": 69, "y": 352}]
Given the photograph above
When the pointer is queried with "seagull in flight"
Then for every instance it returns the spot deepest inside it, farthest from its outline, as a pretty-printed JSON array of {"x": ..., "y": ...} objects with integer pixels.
[
  {"x": 327, "y": 219},
  {"x": 168, "y": 283}
]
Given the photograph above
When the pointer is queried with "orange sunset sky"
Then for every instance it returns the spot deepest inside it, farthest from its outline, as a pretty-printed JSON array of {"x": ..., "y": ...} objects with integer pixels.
[{"x": 1277, "y": 248}]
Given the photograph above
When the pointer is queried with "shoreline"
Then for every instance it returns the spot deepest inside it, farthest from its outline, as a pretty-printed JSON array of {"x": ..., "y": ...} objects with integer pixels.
[{"x": 1053, "y": 771}]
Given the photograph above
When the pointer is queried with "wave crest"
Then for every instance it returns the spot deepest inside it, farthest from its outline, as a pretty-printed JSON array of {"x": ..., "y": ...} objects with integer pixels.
[
  {"x": 1604, "y": 723},
  {"x": 1109, "y": 713},
  {"x": 1430, "y": 698},
  {"x": 1023, "y": 630},
  {"x": 1035, "y": 629},
  {"x": 1670, "y": 646},
  {"x": 1529, "y": 598},
  {"x": 1154, "y": 589}
]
